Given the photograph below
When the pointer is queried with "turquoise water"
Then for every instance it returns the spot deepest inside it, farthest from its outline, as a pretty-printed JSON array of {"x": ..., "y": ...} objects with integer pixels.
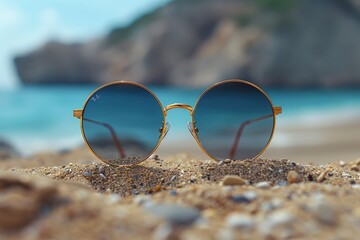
[{"x": 40, "y": 118}]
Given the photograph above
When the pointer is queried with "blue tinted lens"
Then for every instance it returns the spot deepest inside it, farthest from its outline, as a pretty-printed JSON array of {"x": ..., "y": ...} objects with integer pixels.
[
  {"x": 121, "y": 123},
  {"x": 235, "y": 120}
]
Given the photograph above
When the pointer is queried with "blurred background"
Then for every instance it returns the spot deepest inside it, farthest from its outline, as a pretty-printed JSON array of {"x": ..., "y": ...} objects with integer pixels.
[{"x": 305, "y": 54}]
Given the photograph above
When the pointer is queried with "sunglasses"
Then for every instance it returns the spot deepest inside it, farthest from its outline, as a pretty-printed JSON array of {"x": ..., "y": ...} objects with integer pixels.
[{"x": 123, "y": 123}]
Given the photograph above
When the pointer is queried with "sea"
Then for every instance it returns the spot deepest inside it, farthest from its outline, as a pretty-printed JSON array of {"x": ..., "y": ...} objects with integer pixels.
[{"x": 39, "y": 118}]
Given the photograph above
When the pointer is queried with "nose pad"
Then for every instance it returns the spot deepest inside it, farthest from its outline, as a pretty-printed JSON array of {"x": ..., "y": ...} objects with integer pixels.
[
  {"x": 167, "y": 128},
  {"x": 191, "y": 129}
]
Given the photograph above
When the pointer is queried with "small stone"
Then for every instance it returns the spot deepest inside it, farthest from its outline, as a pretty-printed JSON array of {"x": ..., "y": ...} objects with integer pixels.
[
  {"x": 342, "y": 163},
  {"x": 227, "y": 161},
  {"x": 113, "y": 199},
  {"x": 250, "y": 195},
  {"x": 211, "y": 168},
  {"x": 354, "y": 168},
  {"x": 321, "y": 177},
  {"x": 173, "y": 193},
  {"x": 240, "y": 221},
  {"x": 220, "y": 163},
  {"x": 102, "y": 170},
  {"x": 324, "y": 212},
  {"x": 142, "y": 200},
  {"x": 233, "y": 181},
  {"x": 87, "y": 174},
  {"x": 102, "y": 176},
  {"x": 240, "y": 199},
  {"x": 267, "y": 207},
  {"x": 281, "y": 183},
  {"x": 278, "y": 218},
  {"x": 347, "y": 175},
  {"x": 157, "y": 188},
  {"x": 192, "y": 179},
  {"x": 271, "y": 205},
  {"x": 294, "y": 177},
  {"x": 172, "y": 178},
  {"x": 175, "y": 214},
  {"x": 263, "y": 185}
]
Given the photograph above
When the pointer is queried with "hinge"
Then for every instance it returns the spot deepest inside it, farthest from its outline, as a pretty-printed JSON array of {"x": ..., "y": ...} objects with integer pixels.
[
  {"x": 277, "y": 110},
  {"x": 77, "y": 113}
]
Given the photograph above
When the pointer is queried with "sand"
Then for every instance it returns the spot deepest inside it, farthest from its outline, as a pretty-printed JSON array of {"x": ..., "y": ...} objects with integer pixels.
[{"x": 73, "y": 196}]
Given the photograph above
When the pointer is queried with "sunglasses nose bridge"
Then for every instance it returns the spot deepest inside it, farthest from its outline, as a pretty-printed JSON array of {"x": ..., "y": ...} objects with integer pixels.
[{"x": 179, "y": 105}]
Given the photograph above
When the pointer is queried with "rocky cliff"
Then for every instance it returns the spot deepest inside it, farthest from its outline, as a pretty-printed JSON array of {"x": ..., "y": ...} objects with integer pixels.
[{"x": 283, "y": 43}]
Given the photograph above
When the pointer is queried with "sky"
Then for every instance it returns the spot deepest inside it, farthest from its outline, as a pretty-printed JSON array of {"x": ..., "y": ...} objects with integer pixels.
[{"x": 26, "y": 25}]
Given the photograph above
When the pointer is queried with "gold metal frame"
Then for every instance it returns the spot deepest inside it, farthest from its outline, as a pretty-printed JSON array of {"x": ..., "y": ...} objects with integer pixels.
[
  {"x": 275, "y": 110},
  {"x": 79, "y": 114}
]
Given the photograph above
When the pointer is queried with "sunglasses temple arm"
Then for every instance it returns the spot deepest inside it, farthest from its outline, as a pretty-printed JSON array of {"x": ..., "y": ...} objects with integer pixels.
[
  {"x": 240, "y": 131},
  {"x": 113, "y": 135}
]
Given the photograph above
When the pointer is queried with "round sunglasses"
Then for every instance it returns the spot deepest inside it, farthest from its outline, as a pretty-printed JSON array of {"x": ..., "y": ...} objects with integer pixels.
[{"x": 123, "y": 123}]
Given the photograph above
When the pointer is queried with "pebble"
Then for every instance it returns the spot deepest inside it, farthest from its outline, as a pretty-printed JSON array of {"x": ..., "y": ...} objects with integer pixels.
[
  {"x": 321, "y": 177},
  {"x": 227, "y": 161},
  {"x": 192, "y": 179},
  {"x": 251, "y": 195},
  {"x": 271, "y": 205},
  {"x": 354, "y": 168},
  {"x": 142, "y": 200},
  {"x": 243, "y": 221},
  {"x": 87, "y": 174},
  {"x": 294, "y": 177},
  {"x": 233, "y": 181},
  {"x": 103, "y": 176},
  {"x": 240, "y": 199},
  {"x": 102, "y": 170},
  {"x": 211, "y": 168},
  {"x": 276, "y": 219},
  {"x": 281, "y": 183},
  {"x": 175, "y": 214},
  {"x": 342, "y": 163},
  {"x": 357, "y": 162},
  {"x": 281, "y": 217},
  {"x": 220, "y": 163},
  {"x": 172, "y": 178},
  {"x": 113, "y": 199},
  {"x": 324, "y": 212},
  {"x": 263, "y": 185},
  {"x": 345, "y": 175},
  {"x": 157, "y": 188},
  {"x": 173, "y": 192}
]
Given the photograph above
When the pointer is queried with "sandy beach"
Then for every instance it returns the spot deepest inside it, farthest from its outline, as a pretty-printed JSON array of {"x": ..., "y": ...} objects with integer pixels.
[{"x": 73, "y": 196}]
